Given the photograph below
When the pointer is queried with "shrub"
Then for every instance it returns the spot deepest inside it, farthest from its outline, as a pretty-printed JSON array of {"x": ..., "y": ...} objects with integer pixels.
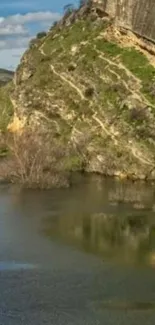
[
  {"x": 71, "y": 67},
  {"x": 41, "y": 35},
  {"x": 68, "y": 10},
  {"x": 35, "y": 161},
  {"x": 89, "y": 91},
  {"x": 137, "y": 114},
  {"x": 55, "y": 23}
]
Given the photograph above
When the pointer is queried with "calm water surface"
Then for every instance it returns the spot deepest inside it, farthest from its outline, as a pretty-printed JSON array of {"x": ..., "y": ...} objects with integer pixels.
[{"x": 83, "y": 255}]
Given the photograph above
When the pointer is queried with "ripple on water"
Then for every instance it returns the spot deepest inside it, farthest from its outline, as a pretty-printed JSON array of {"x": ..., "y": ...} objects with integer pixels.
[{"x": 13, "y": 266}]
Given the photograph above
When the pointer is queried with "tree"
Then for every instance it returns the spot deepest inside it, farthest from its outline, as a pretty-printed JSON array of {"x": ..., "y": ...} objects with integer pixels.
[
  {"x": 68, "y": 9},
  {"x": 55, "y": 23},
  {"x": 41, "y": 35}
]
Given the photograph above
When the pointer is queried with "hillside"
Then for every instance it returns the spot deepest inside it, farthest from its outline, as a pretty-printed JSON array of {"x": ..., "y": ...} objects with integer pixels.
[
  {"x": 90, "y": 87},
  {"x": 5, "y": 76}
]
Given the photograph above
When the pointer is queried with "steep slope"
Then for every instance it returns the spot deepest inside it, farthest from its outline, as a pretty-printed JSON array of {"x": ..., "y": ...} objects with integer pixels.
[
  {"x": 92, "y": 91},
  {"x": 6, "y": 108},
  {"x": 6, "y": 77}
]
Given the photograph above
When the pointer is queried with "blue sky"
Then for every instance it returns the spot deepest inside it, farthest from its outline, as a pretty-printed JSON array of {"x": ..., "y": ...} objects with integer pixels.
[{"x": 20, "y": 20}]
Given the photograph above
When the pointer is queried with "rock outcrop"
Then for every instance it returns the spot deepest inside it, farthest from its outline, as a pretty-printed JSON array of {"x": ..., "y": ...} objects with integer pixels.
[
  {"x": 91, "y": 86},
  {"x": 137, "y": 15}
]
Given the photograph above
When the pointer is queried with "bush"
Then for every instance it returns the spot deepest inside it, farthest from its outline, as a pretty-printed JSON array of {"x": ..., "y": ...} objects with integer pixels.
[
  {"x": 41, "y": 35},
  {"x": 137, "y": 114},
  {"x": 35, "y": 161},
  {"x": 68, "y": 10},
  {"x": 71, "y": 67},
  {"x": 89, "y": 92},
  {"x": 54, "y": 25}
]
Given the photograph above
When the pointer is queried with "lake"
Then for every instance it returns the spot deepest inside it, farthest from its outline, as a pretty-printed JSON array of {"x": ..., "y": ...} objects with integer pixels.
[{"x": 82, "y": 255}]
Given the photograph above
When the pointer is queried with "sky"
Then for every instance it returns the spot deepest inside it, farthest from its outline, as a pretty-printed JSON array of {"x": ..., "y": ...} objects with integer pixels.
[{"x": 20, "y": 21}]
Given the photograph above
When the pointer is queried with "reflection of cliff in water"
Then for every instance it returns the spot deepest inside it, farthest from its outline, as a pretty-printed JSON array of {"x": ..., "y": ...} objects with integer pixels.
[
  {"x": 128, "y": 239},
  {"x": 115, "y": 221},
  {"x": 106, "y": 217}
]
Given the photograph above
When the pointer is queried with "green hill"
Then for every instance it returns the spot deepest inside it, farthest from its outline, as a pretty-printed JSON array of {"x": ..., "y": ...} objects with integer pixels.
[{"x": 91, "y": 88}]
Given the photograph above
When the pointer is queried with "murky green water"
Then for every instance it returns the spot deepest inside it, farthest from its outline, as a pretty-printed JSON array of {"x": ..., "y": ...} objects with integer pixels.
[
  {"x": 93, "y": 243},
  {"x": 114, "y": 220},
  {"x": 111, "y": 219}
]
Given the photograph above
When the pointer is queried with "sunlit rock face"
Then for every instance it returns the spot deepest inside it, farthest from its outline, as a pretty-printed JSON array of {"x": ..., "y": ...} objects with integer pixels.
[{"x": 137, "y": 15}]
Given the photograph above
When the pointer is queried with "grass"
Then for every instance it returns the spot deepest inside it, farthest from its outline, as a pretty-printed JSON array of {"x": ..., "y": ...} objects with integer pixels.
[
  {"x": 82, "y": 30},
  {"x": 86, "y": 30},
  {"x": 6, "y": 109},
  {"x": 90, "y": 67},
  {"x": 73, "y": 162},
  {"x": 4, "y": 151},
  {"x": 134, "y": 61},
  {"x": 109, "y": 48},
  {"x": 139, "y": 65}
]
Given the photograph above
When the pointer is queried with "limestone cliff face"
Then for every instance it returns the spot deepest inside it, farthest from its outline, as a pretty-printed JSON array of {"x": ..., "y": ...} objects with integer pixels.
[
  {"x": 92, "y": 88},
  {"x": 138, "y": 15}
]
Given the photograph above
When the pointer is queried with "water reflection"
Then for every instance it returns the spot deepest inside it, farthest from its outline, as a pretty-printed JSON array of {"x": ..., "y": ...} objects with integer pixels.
[
  {"x": 113, "y": 220},
  {"x": 105, "y": 217},
  {"x": 122, "y": 228},
  {"x": 127, "y": 238},
  {"x": 128, "y": 305}
]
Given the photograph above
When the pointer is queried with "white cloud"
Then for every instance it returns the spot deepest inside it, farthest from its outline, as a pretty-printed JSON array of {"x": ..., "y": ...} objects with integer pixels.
[
  {"x": 18, "y": 42},
  {"x": 16, "y": 32},
  {"x": 14, "y": 25},
  {"x": 31, "y": 17},
  {"x": 20, "y": 20},
  {"x": 9, "y": 59},
  {"x": 9, "y": 29}
]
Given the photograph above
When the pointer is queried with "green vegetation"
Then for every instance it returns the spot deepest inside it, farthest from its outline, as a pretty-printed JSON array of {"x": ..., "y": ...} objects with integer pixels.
[
  {"x": 93, "y": 95},
  {"x": 3, "y": 151},
  {"x": 41, "y": 35},
  {"x": 135, "y": 61},
  {"x": 6, "y": 109}
]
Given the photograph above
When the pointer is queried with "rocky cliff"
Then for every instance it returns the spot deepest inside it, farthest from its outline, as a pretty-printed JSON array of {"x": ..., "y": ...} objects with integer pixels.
[
  {"x": 137, "y": 15},
  {"x": 91, "y": 87}
]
